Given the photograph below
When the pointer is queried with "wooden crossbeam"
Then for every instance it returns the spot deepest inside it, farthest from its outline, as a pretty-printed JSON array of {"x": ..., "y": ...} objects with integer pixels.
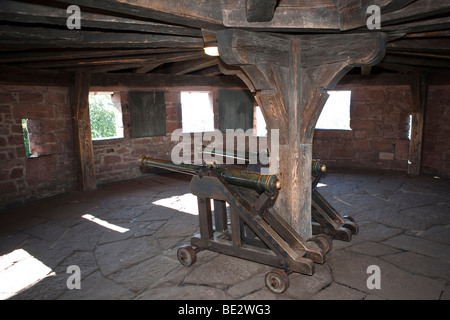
[
  {"x": 198, "y": 14},
  {"x": 417, "y": 10},
  {"x": 80, "y": 53},
  {"x": 19, "y": 36},
  {"x": 195, "y": 65},
  {"x": 260, "y": 11},
  {"x": 131, "y": 59},
  {"x": 17, "y": 11}
]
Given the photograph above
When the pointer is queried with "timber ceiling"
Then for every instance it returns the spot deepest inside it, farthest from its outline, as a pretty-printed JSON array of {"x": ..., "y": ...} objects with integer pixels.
[{"x": 167, "y": 36}]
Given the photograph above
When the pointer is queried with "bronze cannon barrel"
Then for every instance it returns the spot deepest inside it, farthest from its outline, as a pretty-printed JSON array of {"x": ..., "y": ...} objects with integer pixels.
[
  {"x": 242, "y": 178},
  {"x": 317, "y": 166}
]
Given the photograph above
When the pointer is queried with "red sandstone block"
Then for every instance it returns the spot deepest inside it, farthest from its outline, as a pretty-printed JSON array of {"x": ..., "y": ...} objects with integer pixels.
[
  {"x": 63, "y": 137},
  {"x": 383, "y": 144},
  {"x": 5, "y": 109},
  {"x": 16, "y": 173},
  {"x": 111, "y": 159},
  {"x": 41, "y": 169},
  {"x": 32, "y": 110},
  {"x": 173, "y": 114},
  {"x": 55, "y": 98},
  {"x": 172, "y": 96},
  {"x": 42, "y": 138},
  {"x": 15, "y": 140},
  {"x": 402, "y": 150},
  {"x": 7, "y": 187},
  {"x": 171, "y": 126},
  {"x": 46, "y": 126},
  {"x": 8, "y": 97},
  {"x": 362, "y": 144},
  {"x": 362, "y": 95},
  {"x": 3, "y": 142},
  {"x": 45, "y": 149},
  {"x": 31, "y": 97}
]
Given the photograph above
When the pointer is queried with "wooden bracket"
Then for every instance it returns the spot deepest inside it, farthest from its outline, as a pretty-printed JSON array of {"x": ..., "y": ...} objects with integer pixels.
[{"x": 290, "y": 76}]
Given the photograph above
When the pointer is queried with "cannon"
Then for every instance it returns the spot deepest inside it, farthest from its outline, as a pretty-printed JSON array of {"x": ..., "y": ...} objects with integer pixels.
[
  {"x": 249, "y": 228},
  {"x": 233, "y": 176}
]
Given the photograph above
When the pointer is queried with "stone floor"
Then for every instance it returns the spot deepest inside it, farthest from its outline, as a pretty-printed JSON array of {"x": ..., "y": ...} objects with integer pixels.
[{"x": 124, "y": 238}]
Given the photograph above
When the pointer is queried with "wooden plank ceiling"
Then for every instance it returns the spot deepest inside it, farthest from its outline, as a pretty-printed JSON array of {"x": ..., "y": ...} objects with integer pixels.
[{"x": 167, "y": 36}]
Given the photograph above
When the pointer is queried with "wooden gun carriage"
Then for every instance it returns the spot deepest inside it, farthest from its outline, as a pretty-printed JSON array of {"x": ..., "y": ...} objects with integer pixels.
[{"x": 251, "y": 229}]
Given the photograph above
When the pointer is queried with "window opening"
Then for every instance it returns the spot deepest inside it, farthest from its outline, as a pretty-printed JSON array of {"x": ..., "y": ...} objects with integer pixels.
[
  {"x": 197, "y": 111},
  {"x": 336, "y": 112},
  {"x": 260, "y": 123},
  {"x": 410, "y": 127},
  {"x": 26, "y": 139},
  {"x": 106, "y": 116}
]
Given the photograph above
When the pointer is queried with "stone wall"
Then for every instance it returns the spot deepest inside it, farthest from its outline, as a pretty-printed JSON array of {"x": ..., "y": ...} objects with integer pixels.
[
  {"x": 117, "y": 159},
  {"x": 380, "y": 130},
  {"x": 378, "y": 139},
  {"x": 52, "y": 169},
  {"x": 436, "y": 145}
]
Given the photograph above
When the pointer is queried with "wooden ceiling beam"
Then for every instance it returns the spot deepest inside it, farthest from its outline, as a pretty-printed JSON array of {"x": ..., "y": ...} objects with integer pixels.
[
  {"x": 353, "y": 12},
  {"x": 428, "y": 25},
  {"x": 441, "y": 45},
  {"x": 285, "y": 18},
  {"x": 153, "y": 81},
  {"x": 131, "y": 59},
  {"x": 191, "y": 66},
  {"x": 260, "y": 11},
  {"x": 415, "y": 61},
  {"x": 64, "y": 54},
  {"x": 17, "y": 11},
  {"x": 23, "y": 37},
  {"x": 419, "y": 9},
  {"x": 197, "y": 14}
]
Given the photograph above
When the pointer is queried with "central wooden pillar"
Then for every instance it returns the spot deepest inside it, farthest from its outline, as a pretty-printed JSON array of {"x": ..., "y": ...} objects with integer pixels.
[{"x": 290, "y": 76}]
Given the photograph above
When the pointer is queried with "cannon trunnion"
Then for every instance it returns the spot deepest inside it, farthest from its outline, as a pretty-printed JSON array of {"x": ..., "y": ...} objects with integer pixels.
[{"x": 249, "y": 228}]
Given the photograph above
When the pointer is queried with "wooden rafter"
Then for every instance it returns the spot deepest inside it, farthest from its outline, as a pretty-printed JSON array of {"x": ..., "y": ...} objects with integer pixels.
[
  {"x": 17, "y": 11},
  {"x": 199, "y": 14}
]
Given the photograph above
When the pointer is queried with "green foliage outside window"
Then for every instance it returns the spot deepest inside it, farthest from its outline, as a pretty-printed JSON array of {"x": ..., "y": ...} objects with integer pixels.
[
  {"x": 103, "y": 123},
  {"x": 25, "y": 138}
]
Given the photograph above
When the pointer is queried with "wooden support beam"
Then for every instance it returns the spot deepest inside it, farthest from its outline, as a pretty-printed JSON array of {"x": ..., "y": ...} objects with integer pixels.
[
  {"x": 156, "y": 81},
  {"x": 260, "y": 11},
  {"x": 439, "y": 45},
  {"x": 194, "y": 65},
  {"x": 419, "y": 94},
  {"x": 18, "y": 11},
  {"x": 353, "y": 12},
  {"x": 313, "y": 16},
  {"x": 131, "y": 59},
  {"x": 80, "y": 53},
  {"x": 418, "y": 61},
  {"x": 21, "y": 76},
  {"x": 197, "y": 14},
  {"x": 417, "y": 10},
  {"x": 428, "y": 25},
  {"x": 82, "y": 123},
  {"x": 24, "y": 37},
  {"x": 290, "y": 76}
]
